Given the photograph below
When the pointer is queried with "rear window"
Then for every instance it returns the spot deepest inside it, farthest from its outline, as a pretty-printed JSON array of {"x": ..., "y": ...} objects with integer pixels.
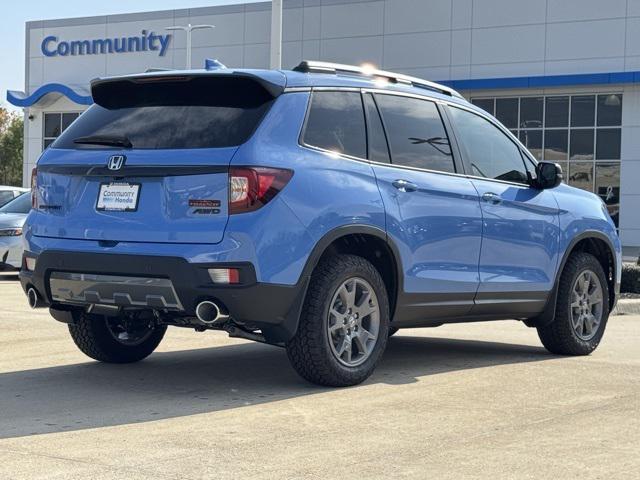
[
  {"x": 336, "y": 123},
  {"x": 180, "y": 113}
]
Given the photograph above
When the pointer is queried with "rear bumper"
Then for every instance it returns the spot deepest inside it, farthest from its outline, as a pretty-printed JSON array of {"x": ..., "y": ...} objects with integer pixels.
[{"x": 272, "y": 308}]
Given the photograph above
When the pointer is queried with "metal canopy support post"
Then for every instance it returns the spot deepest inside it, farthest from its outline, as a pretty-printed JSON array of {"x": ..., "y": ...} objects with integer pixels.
[{"x": 276, "y": 35}]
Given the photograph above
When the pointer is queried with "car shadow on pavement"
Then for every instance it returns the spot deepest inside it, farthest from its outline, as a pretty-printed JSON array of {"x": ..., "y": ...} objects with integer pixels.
[{"x": 181, "y": 383}]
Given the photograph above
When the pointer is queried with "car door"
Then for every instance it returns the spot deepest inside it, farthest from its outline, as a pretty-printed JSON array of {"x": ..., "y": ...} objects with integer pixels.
[
  {"x": 433, "y": 213},
  {"x": 520, "y": 238}
]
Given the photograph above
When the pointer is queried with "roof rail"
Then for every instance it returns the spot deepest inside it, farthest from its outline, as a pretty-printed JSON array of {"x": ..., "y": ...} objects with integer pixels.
[{"x": 311, "y": 66}]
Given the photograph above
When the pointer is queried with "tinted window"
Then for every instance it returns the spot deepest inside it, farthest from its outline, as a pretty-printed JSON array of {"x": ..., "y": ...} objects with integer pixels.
[
  {"x": 417, "y": 137},
  {"x": 531, "y": 111},
  {"x": 199, "y": 112},
  {"x": 21, "y": 204},
  {"x": 336, "y": 123},
  {"x": 378, "y": 148},
  {"x": 5, "y": 196},
  {"x": 490, "y": 152}
]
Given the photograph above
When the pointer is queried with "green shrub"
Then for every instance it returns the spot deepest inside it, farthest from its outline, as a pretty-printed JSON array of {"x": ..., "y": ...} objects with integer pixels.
[{"x": 630, "y": 278}]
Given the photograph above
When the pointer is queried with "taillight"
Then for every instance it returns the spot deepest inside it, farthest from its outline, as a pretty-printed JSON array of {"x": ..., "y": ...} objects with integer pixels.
[
  {"x": 34, "y": 188},
  {"x": 253, "y": 187}
]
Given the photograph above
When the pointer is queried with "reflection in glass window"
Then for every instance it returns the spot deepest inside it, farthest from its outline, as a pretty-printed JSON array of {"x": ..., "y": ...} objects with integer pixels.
[
  {"x": 583, "y": 110},
  {"x": 555, "y": 145},
  {"x": 609, "y": 110},
  {"x": 608, "y": 144},
  {"x": 531, "y": 112},
  {"x": 532, "y": 139},
  {"x": 557, "y": 112},
  {"x": 608, "y": 187},
  {"x": 581, "y": 175},
  {"x": 581, "y": 145},
  {"x": 507, "y": 111},
  {"x": 487, "y": 104}
]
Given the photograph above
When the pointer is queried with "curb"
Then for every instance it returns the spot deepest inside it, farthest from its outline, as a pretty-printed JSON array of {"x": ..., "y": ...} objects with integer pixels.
[{"x": 627, "y": 306}]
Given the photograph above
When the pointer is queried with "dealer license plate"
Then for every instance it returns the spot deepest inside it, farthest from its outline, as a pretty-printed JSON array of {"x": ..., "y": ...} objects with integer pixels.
[{"x": 118, "y": 197}]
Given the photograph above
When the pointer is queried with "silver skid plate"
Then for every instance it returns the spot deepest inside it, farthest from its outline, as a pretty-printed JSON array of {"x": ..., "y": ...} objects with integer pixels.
[{"x": 121, "y": 291}]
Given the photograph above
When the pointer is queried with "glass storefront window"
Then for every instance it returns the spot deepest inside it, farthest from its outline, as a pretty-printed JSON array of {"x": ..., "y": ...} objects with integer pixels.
[
  {"x": 557, "y": 112},
  {"x": 582, "y": 133},
  {"x": 608, "y": 187},
  {"x": 583, "y": 110},
  {"x": 55, "y": 124},
  {"x": 555, "y": 145},
  {"x": 581, "y": 144},
  {"x": 581, "y": 175}
]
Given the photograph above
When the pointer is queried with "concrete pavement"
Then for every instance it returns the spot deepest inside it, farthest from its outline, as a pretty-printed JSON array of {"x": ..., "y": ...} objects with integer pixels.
[{"x": 462, "y": 401}]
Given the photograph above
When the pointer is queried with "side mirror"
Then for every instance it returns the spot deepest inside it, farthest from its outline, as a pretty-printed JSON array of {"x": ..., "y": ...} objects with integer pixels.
[{"x": 549, "y": 175}]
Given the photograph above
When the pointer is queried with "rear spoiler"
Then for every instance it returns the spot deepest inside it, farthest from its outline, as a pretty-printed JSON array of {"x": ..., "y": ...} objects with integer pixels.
[{"x": 205, "y": 87}]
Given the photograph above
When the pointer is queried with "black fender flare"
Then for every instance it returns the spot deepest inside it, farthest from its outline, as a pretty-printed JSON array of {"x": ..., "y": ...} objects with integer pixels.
[
  {"x": 549, "y": 313},
  {"x": 293, "y": 317}
]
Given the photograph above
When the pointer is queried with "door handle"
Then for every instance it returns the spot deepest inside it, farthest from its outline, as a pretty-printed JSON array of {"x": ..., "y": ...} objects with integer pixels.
[
  {"x": 491, "y": 197},
  {"x": 405, "y": 186}
]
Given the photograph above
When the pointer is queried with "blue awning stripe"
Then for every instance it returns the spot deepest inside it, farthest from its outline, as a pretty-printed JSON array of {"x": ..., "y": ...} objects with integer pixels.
[
  {"x": 545, "y": 81},
  {"x": 19, "y": 99}
]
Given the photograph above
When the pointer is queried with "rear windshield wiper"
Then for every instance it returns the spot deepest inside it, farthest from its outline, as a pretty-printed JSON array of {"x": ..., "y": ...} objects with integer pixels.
[{"x": 104, "y": 140}]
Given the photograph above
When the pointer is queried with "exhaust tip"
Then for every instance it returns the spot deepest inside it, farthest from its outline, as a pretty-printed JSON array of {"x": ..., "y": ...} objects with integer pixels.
[
  {"x": 207, "y": 312},
  {"x": 33, "y": 298}
]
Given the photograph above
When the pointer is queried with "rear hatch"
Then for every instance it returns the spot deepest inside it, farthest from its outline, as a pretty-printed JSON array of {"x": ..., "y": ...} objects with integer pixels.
[{"x": 149, "y": 161}]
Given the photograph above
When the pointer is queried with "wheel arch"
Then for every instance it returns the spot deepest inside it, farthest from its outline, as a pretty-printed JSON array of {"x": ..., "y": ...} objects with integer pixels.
[
  {"x": 369, "y": 242},
  {"x": 595, "y": 243}
]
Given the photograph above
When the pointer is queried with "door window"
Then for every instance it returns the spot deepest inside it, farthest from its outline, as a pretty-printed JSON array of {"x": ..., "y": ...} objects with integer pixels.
[
  {"x": 417, "y": 137},
  {"x": 336, "y": 123},
  {"x": 490, "y": 153}
]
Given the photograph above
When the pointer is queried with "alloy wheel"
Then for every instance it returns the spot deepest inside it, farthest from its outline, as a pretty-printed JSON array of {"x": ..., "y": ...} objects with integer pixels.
[{"x": 353, "y": 322}]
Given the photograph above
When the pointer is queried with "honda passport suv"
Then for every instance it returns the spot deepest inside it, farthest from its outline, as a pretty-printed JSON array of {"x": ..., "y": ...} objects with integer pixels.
[{"x": 319, "y": 209}]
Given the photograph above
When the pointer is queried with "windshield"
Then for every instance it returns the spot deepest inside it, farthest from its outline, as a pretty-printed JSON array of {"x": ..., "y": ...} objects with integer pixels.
[{"x": 21, "y": 204}]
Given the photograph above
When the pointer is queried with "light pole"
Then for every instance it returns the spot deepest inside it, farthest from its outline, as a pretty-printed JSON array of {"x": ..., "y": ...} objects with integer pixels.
[
  {"x": 276, "y": 35},
  {"x": 188, "y": 29}
]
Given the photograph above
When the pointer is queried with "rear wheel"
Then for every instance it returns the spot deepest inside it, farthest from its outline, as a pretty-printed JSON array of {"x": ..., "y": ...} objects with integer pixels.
[
  {"x": 344, "y": 323},
  {"x": 115, "y": 339},
  {"x": 582, "y": 308}
]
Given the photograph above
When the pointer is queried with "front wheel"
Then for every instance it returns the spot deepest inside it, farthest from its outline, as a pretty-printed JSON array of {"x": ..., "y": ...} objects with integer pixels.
[
  {"x": 115, "y": 339},
  {"x": 344, "y": 324},
  {"x": 582, "y": 308}
]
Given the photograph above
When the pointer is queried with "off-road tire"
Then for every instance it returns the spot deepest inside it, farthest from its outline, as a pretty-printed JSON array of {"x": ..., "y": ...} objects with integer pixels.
[
  {"x": 559, "y": 336},
  {"x": 92, "y": 336},
  {"x": 309, "y": 351}
]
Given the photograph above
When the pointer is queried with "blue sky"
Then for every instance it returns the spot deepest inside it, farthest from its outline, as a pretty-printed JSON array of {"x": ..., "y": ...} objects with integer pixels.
[{"x": 14, "y": 18}]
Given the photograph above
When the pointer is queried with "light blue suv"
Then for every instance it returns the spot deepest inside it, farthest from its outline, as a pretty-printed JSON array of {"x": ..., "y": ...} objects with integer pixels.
[{"x": 319, "y": 209}]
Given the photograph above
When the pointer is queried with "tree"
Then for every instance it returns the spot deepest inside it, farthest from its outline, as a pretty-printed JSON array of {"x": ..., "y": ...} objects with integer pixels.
[{"x": 11, "y": 148}]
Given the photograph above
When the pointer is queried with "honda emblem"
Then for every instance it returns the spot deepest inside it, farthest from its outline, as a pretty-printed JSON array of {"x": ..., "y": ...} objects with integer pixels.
[{"x": 116, "y": 162}]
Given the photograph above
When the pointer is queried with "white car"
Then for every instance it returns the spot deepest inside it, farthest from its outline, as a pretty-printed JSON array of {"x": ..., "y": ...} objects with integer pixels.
[
  {"x": 12, "y": 217},
  {"x": 9, "y": 193}
]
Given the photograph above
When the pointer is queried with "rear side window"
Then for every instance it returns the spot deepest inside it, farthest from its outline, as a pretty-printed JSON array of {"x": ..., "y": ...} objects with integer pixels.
[
  {"x": 177, "y": 114},
  {"x": 417, "y": 137},
  {"x": 490, "y": 153},
  {"x": 335, "y": 122}
]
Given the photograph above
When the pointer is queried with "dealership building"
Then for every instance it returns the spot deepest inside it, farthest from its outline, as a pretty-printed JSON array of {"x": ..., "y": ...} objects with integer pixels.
[{"x": 563, "y": 75}]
